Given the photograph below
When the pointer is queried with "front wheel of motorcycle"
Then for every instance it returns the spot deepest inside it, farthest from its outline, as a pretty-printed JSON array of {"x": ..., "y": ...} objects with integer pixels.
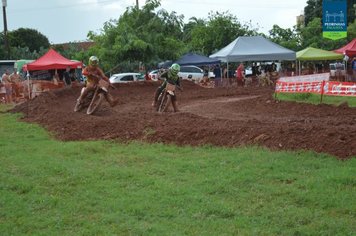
[
  {"x": 78, "y": 106},
  {"x": 95, "y": 103}
]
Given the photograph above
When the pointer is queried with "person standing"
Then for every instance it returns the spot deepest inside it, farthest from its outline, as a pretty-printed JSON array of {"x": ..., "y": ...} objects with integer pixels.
[
  {"x": 225, "y": 79},
  {"x": 217, "y": 73},
  {"x": 8, "y": 86},
  {"x": 15, "y": 79},
  {"x": 240, "y": 74},
  {"x": 66, "y": 77}
]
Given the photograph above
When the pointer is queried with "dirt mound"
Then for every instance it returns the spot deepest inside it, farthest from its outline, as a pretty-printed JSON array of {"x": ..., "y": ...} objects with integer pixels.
[{"x": 220, "y": 116}]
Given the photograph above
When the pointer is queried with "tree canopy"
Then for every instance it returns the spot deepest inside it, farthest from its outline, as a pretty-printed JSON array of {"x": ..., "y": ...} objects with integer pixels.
[{"x": 150, "y": 35}]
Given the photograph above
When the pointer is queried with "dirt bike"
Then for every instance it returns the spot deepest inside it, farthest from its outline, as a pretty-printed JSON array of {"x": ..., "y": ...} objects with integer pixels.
[
  {"x": 94, "y": 98},
  {"x": 165, "y": 98}
]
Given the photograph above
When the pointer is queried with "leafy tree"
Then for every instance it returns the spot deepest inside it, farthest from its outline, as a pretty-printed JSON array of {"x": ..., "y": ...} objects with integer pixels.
[
  {"x": 20, "y": 52},
  {"x": 287, "y": 38},
  {"x": 139, "y": 35},
  {"x": 188, "y": 28},
  {"x": 218, "y": 31},
  {"x": 2, "y": 47},
  {"x": 351, "y": 30},
  {"x": 31, "y": 38},
  {"x": 313, "y": 9}
]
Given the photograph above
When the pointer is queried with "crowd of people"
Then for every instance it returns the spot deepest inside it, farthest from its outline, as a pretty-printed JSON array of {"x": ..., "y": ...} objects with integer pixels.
[{"x": 10, "y": 86}]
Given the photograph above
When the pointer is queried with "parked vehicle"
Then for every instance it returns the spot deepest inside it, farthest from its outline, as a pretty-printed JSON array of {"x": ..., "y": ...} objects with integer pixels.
[
  {"x": 154, "y": 75},
  {"x": 248, "y": 72},
  {"x": 126, "y": 78},
  {"x": 211, "y": 75},
  {"x": 337, "y": 69},
  {"x": 192, "y": 73}
]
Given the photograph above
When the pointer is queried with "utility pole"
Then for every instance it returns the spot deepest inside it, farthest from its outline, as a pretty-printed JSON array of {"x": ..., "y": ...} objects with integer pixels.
[
  {"x": 137, "y": 4},
  {"x": 7, "y": 48}
]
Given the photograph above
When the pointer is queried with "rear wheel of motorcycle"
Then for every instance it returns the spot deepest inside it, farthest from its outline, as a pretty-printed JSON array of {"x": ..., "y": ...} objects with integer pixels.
[
  {"x": 95, "y": 103},
  {"x": 168, "y": 101}
]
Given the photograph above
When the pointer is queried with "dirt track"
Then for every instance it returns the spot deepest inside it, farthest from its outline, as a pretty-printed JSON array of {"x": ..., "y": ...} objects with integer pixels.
[{"x": 222, "y": 117}]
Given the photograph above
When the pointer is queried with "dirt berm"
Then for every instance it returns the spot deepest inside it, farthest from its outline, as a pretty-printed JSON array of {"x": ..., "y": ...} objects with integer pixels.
[{"x": 222, "y": 117}]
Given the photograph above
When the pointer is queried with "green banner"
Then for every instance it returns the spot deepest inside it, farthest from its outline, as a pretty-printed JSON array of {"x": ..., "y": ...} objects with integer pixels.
[{"x": 334, "y": 35}]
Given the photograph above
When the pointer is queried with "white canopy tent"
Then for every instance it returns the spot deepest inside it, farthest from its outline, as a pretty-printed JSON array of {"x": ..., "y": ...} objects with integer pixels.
[{"x": 253, "y": 48}]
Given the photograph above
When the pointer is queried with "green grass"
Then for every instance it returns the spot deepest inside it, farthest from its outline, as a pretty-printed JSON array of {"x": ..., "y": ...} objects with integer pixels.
[
  {"x": 48, "y": 187},
  {"x": 315, "y": 98}
]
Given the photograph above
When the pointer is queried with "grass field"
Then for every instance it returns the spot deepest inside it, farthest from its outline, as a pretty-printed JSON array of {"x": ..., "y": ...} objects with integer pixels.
[
  {"x": 49, "y": 187},
  {"x": 315, "y": 98}
]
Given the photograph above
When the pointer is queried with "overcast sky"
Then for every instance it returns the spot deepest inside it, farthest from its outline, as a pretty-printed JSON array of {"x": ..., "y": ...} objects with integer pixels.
[{"x": 70, "y": 20}]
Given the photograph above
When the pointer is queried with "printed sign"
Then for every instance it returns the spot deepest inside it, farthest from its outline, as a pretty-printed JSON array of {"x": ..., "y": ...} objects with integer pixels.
[
  {"x": 334, "y": 19},
  {"x": 324, "y": 87}
]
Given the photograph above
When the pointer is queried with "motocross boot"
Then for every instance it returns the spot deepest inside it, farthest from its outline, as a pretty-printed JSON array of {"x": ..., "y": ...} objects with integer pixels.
[
  {"x": 174, "y": 104},
  {"x": 155, "y": 98}
]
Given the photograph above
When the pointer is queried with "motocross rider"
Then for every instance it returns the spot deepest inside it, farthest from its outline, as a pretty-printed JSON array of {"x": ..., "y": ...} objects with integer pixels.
[
  {"x": 171, "y": 76},
  {"x": 94, "y": 74}
]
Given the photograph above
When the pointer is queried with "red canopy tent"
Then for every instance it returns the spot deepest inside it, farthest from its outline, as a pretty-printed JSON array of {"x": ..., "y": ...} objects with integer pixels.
[
  {"x": 50, "y": 61},
  {"x": 349, "y": 49}
]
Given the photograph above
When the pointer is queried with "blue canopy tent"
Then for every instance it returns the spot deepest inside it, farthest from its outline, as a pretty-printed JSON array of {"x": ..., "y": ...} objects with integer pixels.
[
  {"x": 196, "y": 60},
  {"x": 165, "y": 64}
]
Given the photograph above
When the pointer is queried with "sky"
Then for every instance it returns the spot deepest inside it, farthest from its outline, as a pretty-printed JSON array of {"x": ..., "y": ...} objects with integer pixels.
[{"x": 64, "y": 21}]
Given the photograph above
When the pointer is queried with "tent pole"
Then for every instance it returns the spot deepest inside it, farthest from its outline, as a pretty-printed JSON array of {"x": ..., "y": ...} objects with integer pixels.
[
  {"x": 28, "y": 84},
  {"x": 227, "y": 74}
]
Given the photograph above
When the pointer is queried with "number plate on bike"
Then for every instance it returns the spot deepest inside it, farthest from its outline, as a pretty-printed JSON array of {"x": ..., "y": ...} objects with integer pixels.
[
  {"x": 170, "y": 87},
  {"x": 103, "y": 84}
]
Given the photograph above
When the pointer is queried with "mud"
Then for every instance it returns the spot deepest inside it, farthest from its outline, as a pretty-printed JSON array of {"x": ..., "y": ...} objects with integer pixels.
[{"x": 220, "y": 117}]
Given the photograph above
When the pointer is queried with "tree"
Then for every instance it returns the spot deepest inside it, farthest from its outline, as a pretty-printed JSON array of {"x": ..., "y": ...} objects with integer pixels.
[
  {"x": 139, "y": 36},
  {"x": 313, "y": 9},
  {"x": 287, "y": 38},
  {"x": 218, "y": 31},
  {"x": 351, "y": 30},
  {"x": 31, "y": 38}
]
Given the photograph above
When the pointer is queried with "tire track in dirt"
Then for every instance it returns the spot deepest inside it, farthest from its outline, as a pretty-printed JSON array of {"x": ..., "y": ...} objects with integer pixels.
[{"x": 213, "y": 108}]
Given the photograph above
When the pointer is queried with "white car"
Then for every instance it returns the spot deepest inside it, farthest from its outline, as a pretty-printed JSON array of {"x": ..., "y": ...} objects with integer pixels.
[
  {"x": 192, "y": 73},
  {"x": 126, "y": 78},
  {"x": 154, "y": 75},
  {"x": 248, "y": 72},
  {"x": 337, "y": 69}
]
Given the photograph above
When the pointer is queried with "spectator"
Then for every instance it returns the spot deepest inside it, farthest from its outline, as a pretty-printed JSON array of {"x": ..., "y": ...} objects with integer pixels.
[
  {"x": 55, "y": 78},
  {"x": 240, "y": 74},
  {"x": 217, "y": 73},
  {"x": 225, "y": 78},
  {"x": 66, "y": 77},
  {"x": 2, "y": 92},
  {"x": 15, "y": 79},
  {"x": 147, "y": 77},
  {"x": 8, "y": 86}
]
